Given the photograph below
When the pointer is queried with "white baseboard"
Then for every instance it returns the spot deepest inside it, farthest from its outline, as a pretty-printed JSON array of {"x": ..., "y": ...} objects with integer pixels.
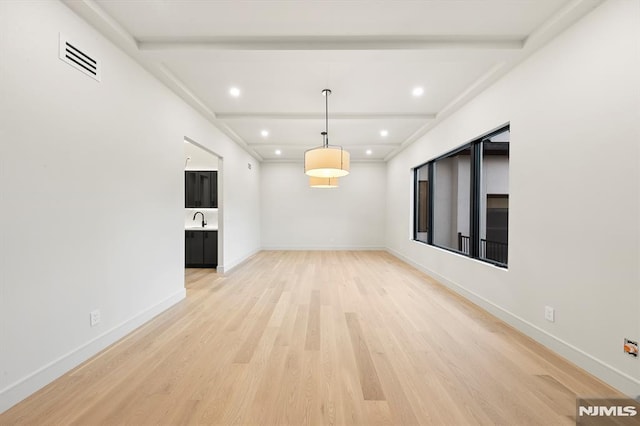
[
  {"x": 345, "y": 248},
  {"x": 605, "y": 372},
  {"x": 225, "y": 269},
  {"x": 21, "y": 389},
  {"x": 234, "y": 264}
]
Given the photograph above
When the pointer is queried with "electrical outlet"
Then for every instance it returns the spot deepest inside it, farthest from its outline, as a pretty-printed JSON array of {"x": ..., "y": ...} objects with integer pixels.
[
  {"x": 631, "y": 347},
  {"x": 549, "y": 314},
  {"x": 94, "y": 317}
]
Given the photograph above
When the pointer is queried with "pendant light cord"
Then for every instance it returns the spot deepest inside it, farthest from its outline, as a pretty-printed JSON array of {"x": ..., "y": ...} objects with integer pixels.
[
  {"x": 326, "y": 117},
  {"x": 326, "y": 92}
]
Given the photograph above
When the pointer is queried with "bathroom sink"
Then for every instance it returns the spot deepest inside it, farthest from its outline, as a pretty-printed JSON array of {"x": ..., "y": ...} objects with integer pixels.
[{"x": 200, "y": 228}]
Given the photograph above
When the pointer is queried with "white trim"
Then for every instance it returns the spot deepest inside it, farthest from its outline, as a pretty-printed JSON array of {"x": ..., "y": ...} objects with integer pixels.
[
  {"x": 222, "y": 269},
  {"x": 341, "y": 248},
  {"x": 345, "y": 42},
  {"x": 315, "y": 116},
  {"x": 605, "y": 372},
  {"x": 31, "y": 383}
]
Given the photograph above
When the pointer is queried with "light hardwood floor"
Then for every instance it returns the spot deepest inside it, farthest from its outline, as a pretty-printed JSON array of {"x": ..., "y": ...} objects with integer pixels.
[{"x": 351, "y": 338}]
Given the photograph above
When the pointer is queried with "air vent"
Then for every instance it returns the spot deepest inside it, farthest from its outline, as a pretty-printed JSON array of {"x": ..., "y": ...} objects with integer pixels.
[{"x": 73, "y": 55}]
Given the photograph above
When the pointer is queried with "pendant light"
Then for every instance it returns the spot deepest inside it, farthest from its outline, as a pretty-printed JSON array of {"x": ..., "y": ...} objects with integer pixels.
[
  {"x": 323, "y": 182},
  {"x": 326, "y": 161},
  {"x": 316, "y": 182}
]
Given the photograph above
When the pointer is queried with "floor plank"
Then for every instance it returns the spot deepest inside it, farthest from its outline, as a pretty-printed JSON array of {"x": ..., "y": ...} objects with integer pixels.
[{"x": 371, "y": 388}]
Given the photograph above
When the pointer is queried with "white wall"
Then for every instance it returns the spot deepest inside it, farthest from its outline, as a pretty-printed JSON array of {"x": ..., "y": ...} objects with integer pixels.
[
  {"x": 92, "y": 203},
  {"x": 210, "y": 217},
  {"x": 196, "y": 158},
  {"x": 574, "y": 109},
  {"x": 295, "y": 216}
]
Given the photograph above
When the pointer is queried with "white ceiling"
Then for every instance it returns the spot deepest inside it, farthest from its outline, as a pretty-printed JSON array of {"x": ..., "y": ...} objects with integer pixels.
[{"x": 371, "y": 54}]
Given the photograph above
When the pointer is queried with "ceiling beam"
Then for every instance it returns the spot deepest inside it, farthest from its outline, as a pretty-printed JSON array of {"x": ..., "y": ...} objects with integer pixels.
[
  {"x": 333, "y": 43},
  {"x": 313, "y": 116},
  {"x": 306, "y": 146}
]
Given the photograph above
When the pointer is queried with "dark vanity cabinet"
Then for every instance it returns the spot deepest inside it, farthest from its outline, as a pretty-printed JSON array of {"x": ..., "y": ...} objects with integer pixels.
[
  {"x": 201, "y": 189},
  {"x": 201, "y": 249}
]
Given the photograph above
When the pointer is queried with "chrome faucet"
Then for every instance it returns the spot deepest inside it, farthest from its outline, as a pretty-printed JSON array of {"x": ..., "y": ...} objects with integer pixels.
[{"x": 203, "y": 222}]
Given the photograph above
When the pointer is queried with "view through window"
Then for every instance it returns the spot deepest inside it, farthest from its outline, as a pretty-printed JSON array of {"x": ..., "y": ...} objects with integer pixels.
[{"x": 462, "y": 199}]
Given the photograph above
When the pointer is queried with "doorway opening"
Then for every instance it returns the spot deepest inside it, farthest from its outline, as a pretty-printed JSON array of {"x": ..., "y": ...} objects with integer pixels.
[{"x": 203, "y": 206}]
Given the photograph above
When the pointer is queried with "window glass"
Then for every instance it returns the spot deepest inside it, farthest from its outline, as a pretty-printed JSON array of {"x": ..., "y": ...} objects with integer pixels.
[
  {"x": 494, "y": 199},
  {"x": 451, "y": 201},
  {"x": 422, "y": 203}
]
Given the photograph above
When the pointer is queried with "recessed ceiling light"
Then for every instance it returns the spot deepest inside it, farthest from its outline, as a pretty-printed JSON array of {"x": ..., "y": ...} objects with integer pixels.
[
  {"x": 264, "y": 133},
  {"x": 369, "y": 152},
  {"x": 278, "y": 152},
  {"x": 384, "y": 133},
  {"x": 234, "y": 91},
  {"x": 417, "y": 91}
]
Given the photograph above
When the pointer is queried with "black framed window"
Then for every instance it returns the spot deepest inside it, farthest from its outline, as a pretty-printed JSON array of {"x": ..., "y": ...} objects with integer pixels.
[
  {"x": 423, "y": 212},
  {"x": 462, "y": 199}
]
